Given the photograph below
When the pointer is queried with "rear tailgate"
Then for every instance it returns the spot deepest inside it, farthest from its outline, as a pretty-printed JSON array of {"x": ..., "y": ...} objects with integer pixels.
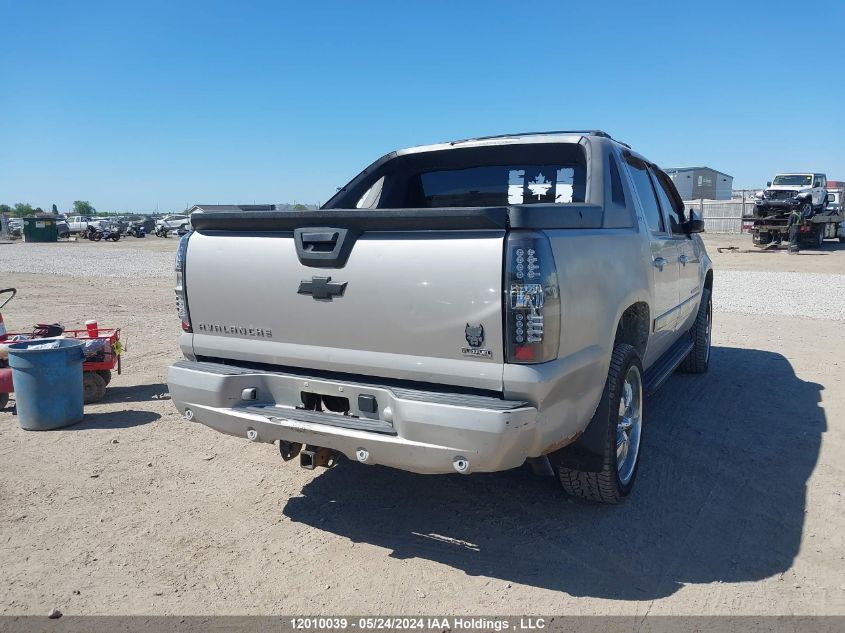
[{"x": 409, "y": 303}]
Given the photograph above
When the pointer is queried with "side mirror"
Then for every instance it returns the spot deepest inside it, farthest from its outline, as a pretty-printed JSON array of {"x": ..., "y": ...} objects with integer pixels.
[
  {"x": 769, "y": 184},
  {"x": 694, "y": 225},
  {"x": 831, "y": 197}
]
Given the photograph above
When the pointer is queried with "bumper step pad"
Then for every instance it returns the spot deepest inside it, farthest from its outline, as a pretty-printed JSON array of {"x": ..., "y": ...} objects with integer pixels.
[{"x": 318, "y": 417}]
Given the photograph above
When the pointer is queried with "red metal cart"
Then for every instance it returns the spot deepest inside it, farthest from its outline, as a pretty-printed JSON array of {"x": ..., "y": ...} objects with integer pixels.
[
  {"x": 97, "y": 367},
  {"x": 100, "y": 360}
]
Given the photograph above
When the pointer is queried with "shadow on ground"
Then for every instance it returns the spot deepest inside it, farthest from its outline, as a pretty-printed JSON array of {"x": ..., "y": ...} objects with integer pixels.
[
  {"x": 720, "y": 497},
  {"x": 114, "y": 420},
  {"x": 136, "y": 393}
]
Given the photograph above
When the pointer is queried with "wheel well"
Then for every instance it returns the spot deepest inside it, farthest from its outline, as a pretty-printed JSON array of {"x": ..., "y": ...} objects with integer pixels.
[{"x": 633, "y": 327}]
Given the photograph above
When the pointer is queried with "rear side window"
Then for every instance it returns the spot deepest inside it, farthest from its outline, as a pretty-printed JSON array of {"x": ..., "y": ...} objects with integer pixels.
[
  {"x": 616, "y": 192},
  {"x": 499, "y": 185},
  {"x": 645, "y": 192},
  {"x": 371, "y": 198}
]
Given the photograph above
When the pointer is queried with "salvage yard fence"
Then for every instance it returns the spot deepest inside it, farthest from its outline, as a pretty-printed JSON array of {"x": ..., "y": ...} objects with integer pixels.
[{"x": 722, "y": 216}]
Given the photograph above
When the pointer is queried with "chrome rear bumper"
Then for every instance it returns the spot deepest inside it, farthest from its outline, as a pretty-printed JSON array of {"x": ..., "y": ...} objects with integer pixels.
[{"x": 410, "y": 429}]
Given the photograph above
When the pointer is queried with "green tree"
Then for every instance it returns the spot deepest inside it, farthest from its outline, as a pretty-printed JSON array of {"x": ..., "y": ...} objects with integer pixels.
[
  {"x": 5, "y": 208},
  {"x": 55, "y": 210},
  {"x": 83, "y": 207},
  {"x": 22, "y": 209},
  {"x": 300, "y": 207}
]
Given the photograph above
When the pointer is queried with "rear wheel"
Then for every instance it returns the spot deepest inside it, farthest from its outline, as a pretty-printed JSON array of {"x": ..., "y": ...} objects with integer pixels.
[
  {"x": 94, "y": 387},
  {"x": 698, "y": 360},
  {"x": 619, "y": 417},
  {"x": 105, "y": 374}
]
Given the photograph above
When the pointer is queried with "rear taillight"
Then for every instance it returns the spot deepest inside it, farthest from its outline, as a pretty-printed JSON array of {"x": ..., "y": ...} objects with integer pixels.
[
  {"x": 181, "y": 297},
  {"x": 532, "y": 299}
]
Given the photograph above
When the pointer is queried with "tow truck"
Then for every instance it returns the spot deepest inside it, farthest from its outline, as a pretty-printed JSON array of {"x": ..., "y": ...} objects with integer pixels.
[{"x": 805, "y": 192}]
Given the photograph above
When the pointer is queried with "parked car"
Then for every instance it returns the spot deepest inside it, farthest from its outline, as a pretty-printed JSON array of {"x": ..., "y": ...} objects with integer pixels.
[
  {"x": 185, "y": 228},
  {"x": 80, "y": 223},
  {"x": 15, "y": 227},
  {"x": 460, "y": 307},
  {"x": 173, "y": 222},
  {"x": 63, "y": 228}
]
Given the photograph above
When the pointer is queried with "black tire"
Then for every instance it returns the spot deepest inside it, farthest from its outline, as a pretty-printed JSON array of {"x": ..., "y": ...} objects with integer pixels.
[
  {"x": 94, "y": 387},
  {"x": 96, "y": 237},
  {"x": 698, "y": 360},
  {"x": 841, "y": 231},
  {"x": 4, "y": 400},
  {"x": 115, "y": 237},
  {"x": 604, "y": 484},
  {"x": 105, "y": 374},
  {"x": 762, "y": 238},
  {"x": 818, "y": 241},
  {"x": 807, "y": 210}
]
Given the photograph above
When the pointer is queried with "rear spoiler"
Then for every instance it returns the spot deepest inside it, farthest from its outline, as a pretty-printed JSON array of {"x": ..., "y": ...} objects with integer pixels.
[{"x": 535, "y": 216}]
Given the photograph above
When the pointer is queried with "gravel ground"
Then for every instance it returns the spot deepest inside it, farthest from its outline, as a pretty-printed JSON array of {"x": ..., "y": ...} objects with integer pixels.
[
  {"x": 812, "y": 295},
  {"x": 739, "y": 506},
  {"x": 117, "y": 260}
]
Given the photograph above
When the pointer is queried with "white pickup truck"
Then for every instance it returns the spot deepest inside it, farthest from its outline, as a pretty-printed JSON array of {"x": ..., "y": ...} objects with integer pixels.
[
  {"x": 79, "y": 223},
  {"x": 174, "y": 222},
  {"x": 460, "y": 307}
]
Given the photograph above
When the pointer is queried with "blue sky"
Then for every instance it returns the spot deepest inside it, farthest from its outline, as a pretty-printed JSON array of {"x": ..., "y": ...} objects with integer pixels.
[{"x": 145, "y": 104}]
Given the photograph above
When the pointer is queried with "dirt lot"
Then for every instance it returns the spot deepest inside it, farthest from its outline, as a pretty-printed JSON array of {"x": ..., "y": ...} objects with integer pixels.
[{"x": 738, "y": 507}]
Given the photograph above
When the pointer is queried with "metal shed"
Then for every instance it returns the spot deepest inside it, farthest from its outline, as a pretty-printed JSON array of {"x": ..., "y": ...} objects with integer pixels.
[{"x": 696, "y": 183}]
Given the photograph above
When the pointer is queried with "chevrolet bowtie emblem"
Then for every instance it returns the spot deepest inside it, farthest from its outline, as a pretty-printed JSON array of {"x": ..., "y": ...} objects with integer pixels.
[{"x": 322, "y": 288}]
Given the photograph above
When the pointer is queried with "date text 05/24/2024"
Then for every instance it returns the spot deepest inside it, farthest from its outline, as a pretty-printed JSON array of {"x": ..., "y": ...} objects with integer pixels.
[{"x": 327, "y": 623}]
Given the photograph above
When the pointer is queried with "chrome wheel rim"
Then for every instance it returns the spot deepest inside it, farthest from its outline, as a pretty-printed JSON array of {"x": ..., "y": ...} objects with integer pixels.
[
  {"x": 708, "y": 327},
  {"x": 629, "y": 424}
]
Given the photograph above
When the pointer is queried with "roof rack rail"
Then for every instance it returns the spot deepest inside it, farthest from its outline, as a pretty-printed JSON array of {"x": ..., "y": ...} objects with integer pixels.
[{"x": 601, "y": 133}]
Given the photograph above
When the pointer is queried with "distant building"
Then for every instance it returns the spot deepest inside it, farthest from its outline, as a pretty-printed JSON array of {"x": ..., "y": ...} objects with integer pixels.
[{"x": 695, "y": 183}]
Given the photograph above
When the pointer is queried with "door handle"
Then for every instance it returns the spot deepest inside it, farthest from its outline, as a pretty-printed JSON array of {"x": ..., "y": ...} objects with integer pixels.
[
  {"x": 683, "y": 259},
  {"x": 659, "y": 263}
]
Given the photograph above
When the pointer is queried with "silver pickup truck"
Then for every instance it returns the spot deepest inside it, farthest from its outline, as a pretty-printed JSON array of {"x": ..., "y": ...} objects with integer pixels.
[{"x": 459, "y": 307}]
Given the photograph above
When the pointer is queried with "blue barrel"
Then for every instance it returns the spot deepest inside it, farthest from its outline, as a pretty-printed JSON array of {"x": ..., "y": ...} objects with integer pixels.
[{"x": 48, "y": 382}]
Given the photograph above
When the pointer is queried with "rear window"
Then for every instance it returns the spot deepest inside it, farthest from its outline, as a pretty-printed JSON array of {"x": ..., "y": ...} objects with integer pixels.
[
  {"x": 499, "y": 185},
  {"x": 485, "y": 176}
]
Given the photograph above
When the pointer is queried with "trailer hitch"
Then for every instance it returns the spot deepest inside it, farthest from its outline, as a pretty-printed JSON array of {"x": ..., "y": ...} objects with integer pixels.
[{"x": 313, "y": 456}]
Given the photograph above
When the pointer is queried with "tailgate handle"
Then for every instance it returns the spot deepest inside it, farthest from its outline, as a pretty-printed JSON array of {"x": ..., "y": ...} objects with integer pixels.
[
  {"x": 324, "y": 247},
  {"x": 323, "y": 242}
]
